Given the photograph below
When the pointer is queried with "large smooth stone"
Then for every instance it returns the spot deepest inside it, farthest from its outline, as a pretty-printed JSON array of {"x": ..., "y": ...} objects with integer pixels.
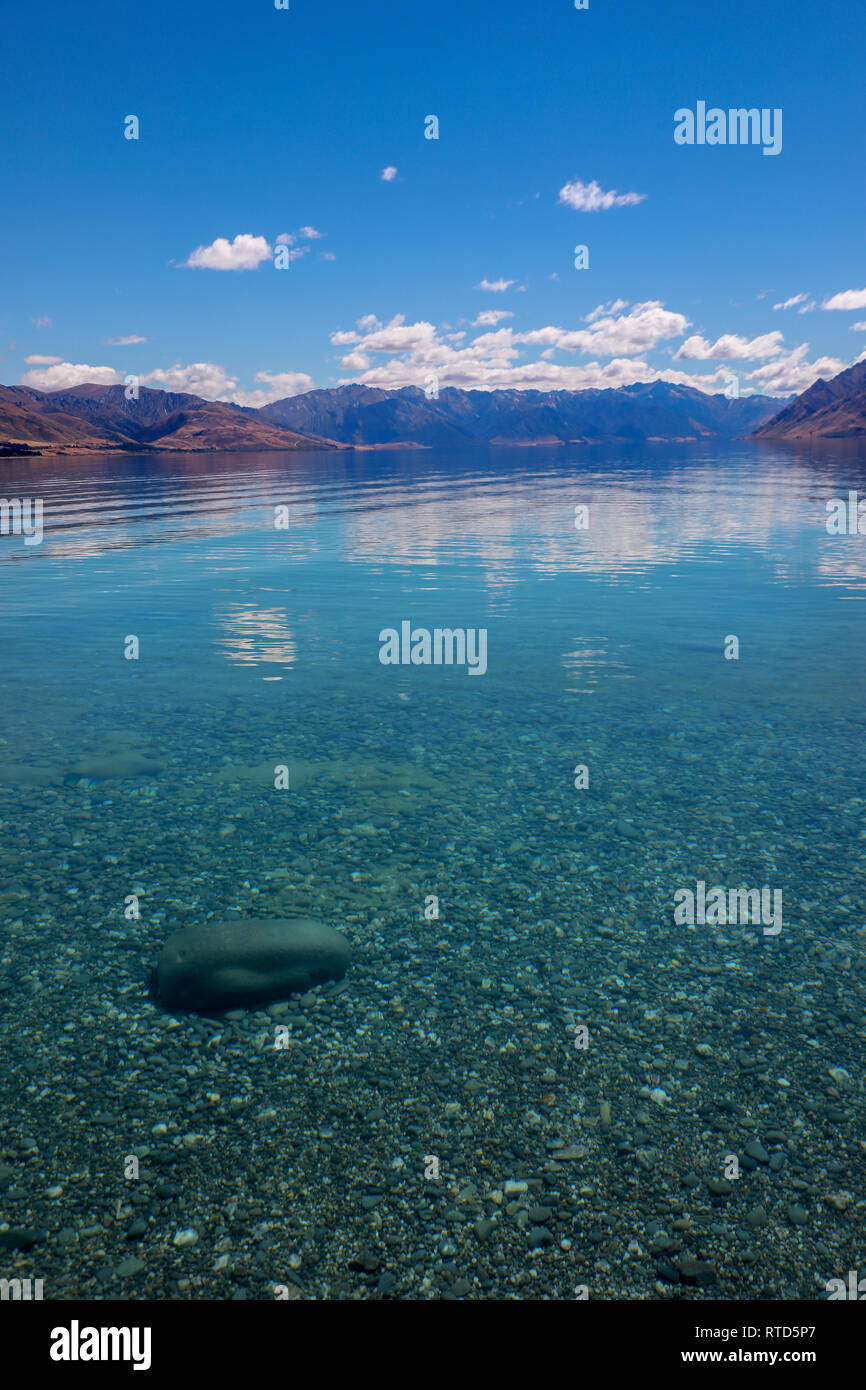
[{"x": 228, "y": 965}]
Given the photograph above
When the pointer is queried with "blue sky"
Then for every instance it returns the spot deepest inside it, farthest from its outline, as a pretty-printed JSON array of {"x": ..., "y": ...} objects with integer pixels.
[{"x": 258, "y": 124}]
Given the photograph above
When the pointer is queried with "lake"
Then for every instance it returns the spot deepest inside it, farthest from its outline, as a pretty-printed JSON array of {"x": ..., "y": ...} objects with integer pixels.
[{"x": 545, "y": 990}]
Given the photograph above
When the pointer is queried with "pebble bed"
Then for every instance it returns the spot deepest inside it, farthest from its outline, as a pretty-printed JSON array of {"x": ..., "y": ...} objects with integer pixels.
[{"x": 436, "y": 1124}]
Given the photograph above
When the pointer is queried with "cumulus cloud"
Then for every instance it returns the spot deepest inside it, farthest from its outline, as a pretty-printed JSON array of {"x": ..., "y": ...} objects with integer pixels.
[
  {"x": 612, "y": 307},
  {"x": 206, "y": 379},
  {"x": 729, "y": 347},
  {"x": 396, "y": 336},
  {"x": 306, "y": 234},
  {"x": 846, "y": 299},
  {"x": 246, "y": 252},
  {"x": 125, "y": 342},
  {"x": 62, "y": 375},
  {"x": 214, "y": 383},
  {"x": 492, "y": 360},
  {"x": 591, "y": 197},
  {"x": 641, "y": 329},
  {"x": 276, "y": 385},
  {"x": 42, "y": 361},
  {"x": 792, "y": 372},
  {"x": 494, "y": 286},
  {"x": 356, "y": 362},
  {"x": 855, "y": 328},
  {"x": 389, "y": 173},
  {"x": 489, "y": 318}
]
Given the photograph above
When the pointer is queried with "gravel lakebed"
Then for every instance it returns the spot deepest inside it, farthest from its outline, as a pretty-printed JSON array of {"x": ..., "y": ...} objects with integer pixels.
[{"x": 431, "y": 1126}]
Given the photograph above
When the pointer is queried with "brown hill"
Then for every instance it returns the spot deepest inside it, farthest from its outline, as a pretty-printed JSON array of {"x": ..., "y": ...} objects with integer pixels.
[
  {"x": 23, "y": 422},
  {"x": 90, "y": 416},
  {"x": 834, "y": 409}
]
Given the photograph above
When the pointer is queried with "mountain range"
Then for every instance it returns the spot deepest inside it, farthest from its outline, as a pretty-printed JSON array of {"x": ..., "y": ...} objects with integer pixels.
[
  {"x": 97, "y": 418},
  {"x": 369, "y": 417}
]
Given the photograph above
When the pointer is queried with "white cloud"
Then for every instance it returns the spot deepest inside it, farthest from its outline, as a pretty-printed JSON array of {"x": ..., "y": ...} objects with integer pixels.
[
  {"x": 328, "y": 256},
  {"x": 789, "y": 303},
  {"x": 63, "y": 375},
  {"x": 590, "y": 197},
  {"x": 389, "y": 173},
  {"x": 42, "y": 361},
  {"x": 310, "y": 233},
  {"x": 729, "y": 347},
  {"x": 246, "y": 252},
  {"x": 791, "y": 373},
  {"x": 125, "y": 342},
  {"x": 541, "y": 375},
  {"x": 491, "y": 360},
  {"x": 285, "y": 239},
  {"x": 494, "y": 286},
  {"x": 396, "y": 336},
  {"x": 276, "y": 386},
  {"x": 846, "y": 299},
  {"x": 489, "y": 318},
  {"x": 346, "y": 337},
  {"x": 205, "y": 379},
  {"x": 356, "y": 362},
  {"x": 42, "y": 323},
  {"x": 855, "y": 328},
  {"x": 613, "y": 307},
  {"x": 638, "y": 331}
]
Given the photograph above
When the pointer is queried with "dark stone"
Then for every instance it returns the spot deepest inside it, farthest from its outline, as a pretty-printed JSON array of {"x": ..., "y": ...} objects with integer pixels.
[
  {"x": 365, "y": 1261},
  {"x": 694, "y": 1271},
  {"x": 756, "y": 1150},
  {"x": 21, "y": 1238},
  {"x": 539, "y": 1216},
  {"x": 538, "y": 1236},
  {"x": 249, "y": 962}
]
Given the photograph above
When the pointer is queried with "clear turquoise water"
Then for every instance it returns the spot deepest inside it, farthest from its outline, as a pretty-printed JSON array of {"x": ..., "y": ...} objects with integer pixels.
[
  {"x": 260, "y": 647},
  {"x": 615, "y": 634}
]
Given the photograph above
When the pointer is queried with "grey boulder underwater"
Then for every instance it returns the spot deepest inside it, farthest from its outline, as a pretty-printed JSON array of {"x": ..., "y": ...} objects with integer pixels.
[{"x": 226, "y": 965}]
